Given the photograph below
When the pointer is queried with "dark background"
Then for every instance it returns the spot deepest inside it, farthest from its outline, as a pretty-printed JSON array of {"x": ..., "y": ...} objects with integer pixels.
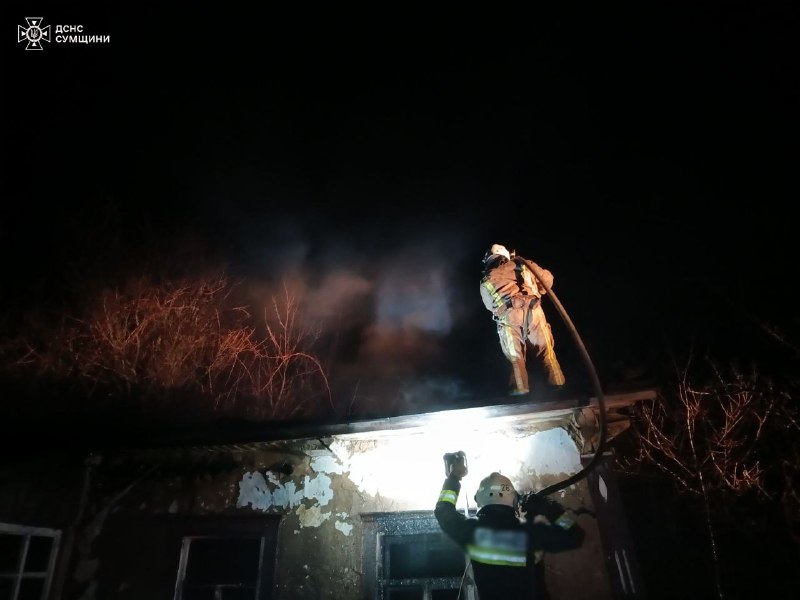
[{"x": 644, "y": 154}]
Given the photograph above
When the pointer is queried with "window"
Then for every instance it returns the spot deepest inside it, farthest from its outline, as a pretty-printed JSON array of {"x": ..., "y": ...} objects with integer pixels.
[
  {"x": 425, "y": 565},
  {"x": 187, "y": 557},
  {"x": 220, "y": 568},
  {"x": 408, "y": 557},
  {"x": 27, "y": 561}
]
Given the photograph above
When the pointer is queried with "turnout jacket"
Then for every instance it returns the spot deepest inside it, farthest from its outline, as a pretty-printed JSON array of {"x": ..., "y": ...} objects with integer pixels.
[
  {"x": 501, "y": 547},
  {"x": 509, "y": 278}
]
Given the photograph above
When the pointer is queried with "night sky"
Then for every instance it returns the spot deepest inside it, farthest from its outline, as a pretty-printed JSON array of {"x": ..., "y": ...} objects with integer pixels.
[{"x": 646, "y": 155}]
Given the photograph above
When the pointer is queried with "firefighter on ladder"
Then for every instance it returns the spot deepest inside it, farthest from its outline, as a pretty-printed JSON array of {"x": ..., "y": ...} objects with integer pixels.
[{"x": 513, "y": 295}]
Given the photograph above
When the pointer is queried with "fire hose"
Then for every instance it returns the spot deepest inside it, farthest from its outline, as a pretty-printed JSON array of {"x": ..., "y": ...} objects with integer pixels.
[
  {"x": 598, "y": 389},
  {"x": 459, "y": 457}
]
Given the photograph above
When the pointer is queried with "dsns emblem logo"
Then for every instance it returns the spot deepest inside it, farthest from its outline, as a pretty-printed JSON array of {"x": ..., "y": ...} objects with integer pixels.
[{"x": 34, "y": 33}]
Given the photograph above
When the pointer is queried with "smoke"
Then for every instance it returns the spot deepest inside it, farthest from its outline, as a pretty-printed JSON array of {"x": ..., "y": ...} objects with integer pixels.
[
  {"x": 410, "y": 296},
  {"x": 338, "y": 293},
  {"x": 384, "y": 311}
]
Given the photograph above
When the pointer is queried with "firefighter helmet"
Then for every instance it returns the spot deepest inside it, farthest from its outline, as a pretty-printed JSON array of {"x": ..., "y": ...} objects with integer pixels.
[
  {"x": 496, "y": 250},
  {"x": 496, "y": 489}
]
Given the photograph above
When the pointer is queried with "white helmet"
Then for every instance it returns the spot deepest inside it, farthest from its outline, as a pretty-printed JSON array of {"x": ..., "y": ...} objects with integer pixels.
[
  {"x": 496, "y": 489},
  {"x": 497, "y": 250}
]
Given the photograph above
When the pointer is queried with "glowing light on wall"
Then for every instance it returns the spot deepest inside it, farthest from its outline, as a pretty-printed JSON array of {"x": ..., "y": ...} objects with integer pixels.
[{"x": 406, "y": 468}]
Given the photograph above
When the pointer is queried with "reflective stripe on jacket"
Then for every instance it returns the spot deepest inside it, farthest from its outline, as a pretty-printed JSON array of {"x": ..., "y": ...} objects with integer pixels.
[{"x": 500, "y": 546}]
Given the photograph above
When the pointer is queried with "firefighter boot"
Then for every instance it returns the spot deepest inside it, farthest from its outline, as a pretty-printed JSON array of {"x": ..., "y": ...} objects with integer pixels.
[{"x": 519, "y": 378}]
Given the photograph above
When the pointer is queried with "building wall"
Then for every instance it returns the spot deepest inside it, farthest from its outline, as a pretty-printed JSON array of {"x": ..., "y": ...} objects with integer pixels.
[
  {"x": 41, "y": 490},
  {"x": 333, "y": 481},
  {"x": 45, "y": 489}
]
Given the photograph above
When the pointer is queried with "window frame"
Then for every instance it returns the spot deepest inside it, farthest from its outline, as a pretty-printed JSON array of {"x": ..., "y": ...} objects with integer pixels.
[
  {"x": 26, "y": 532},
  {"x": 186, "y": 545},
  {"x": 264, "y": 527},
  {"x": 380, "y": 526}
]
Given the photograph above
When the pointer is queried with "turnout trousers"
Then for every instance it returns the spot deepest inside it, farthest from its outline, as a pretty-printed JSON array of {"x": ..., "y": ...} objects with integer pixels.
[{"x": 522, "y": 323}]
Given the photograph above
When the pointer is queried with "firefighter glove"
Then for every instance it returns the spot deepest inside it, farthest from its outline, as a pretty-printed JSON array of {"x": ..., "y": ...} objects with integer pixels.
[{"x": 541, "y": 505}]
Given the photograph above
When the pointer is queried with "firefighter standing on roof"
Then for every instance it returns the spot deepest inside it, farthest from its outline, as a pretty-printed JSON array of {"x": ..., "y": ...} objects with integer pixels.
[
  {"x": 501, "y": 547},
  {"x": 513, "y": 295}
]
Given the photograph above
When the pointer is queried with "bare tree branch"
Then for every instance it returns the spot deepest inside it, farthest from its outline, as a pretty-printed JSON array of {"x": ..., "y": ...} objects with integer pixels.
[{"x": 185, "y": 337}]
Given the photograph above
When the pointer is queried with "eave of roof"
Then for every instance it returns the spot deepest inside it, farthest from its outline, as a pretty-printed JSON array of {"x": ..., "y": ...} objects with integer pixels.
[{"x": 242, "y": 434}]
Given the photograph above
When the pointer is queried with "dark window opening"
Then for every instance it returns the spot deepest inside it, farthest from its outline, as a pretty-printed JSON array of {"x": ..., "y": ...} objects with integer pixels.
[
  {"x": 422, "y": 556},
  {"x": 10, "y": 549},
  {"x": 411, "y": 593},
  {"x": 419, "y": 593},
  {"x": 444, "y": 595},
  {"x": 38, "y": 556},
  {"x": 31, "y": 589},
  {"x": 221, "y": 568}
]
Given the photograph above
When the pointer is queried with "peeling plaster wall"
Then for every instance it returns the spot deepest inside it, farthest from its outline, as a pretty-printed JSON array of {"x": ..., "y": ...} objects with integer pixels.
[
  {"x": 263, "y": 494},
  {"x": 311, "y": 499},
  {"x": 320, "y": 542},
  {"x": 333, "y": 482},
  {"x": 404, "y": 472},
  {"x": 395, "y": 472}
]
